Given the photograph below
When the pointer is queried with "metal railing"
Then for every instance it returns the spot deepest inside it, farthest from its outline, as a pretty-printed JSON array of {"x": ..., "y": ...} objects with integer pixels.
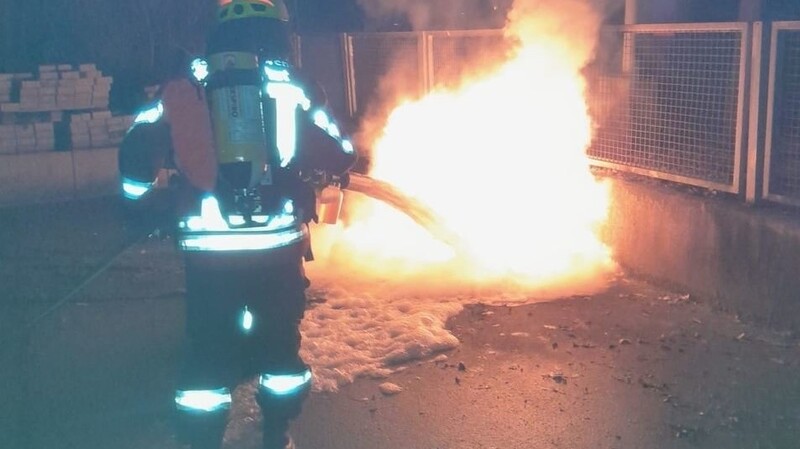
[
  {"x": 782, "y": 148},
  {"x": 371, "y": 57},
  {"x": 381, "y": 65},
  {"x": 674, "y": 109},
  {"x": 689, "y": 103},
  {"x": 452, "y": 55}
]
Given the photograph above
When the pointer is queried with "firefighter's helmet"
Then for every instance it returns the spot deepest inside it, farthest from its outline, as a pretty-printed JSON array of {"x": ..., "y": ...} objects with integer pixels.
[{"x": 242, "y": 9}]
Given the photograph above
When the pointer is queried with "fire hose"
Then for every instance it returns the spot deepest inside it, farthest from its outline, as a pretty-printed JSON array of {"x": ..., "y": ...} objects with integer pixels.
[{"x": 414, "y": 209}]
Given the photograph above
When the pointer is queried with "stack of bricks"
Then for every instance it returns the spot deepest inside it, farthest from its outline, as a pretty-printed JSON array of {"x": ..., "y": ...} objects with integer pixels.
[
  {"x": 8, "y": 82},
  {"x": 63, "y": 88},
  {"x": 37, "y": 111},
  {"x": 27, "y": 137},
  {"x": 98, "y": 129}
]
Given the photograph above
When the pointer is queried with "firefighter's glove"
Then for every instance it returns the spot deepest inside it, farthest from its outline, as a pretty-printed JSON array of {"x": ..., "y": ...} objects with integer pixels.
[{"x": 344, "y": 180}]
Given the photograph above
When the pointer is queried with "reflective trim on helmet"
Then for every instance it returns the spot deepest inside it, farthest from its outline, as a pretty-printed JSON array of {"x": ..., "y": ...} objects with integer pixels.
[
  {"x": 203, "y": 400},
  {"x": 133, "y": 190},
  {"x": 284, "y": 384}
]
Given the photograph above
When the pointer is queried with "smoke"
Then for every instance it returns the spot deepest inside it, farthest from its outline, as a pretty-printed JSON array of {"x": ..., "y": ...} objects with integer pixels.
[{"x": 573, "y": 25}]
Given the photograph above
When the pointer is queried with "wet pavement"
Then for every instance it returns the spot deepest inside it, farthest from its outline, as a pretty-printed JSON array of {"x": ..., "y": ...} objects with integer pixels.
[{"x": 637, "y": 366}]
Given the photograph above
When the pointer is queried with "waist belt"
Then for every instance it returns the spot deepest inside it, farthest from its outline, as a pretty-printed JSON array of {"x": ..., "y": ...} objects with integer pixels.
[{"x": 211, "y": 232}]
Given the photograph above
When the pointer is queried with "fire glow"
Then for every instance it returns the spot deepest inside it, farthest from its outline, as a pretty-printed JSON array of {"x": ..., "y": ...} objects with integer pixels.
[{"x": 501, "y": 160}]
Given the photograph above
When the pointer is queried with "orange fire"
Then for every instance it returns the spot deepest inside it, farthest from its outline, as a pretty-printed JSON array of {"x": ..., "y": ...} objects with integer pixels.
[{"x": 501, "y": 159}]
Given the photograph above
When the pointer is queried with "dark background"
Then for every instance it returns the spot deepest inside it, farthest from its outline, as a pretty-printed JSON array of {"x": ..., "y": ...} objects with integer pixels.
[{"x": 136, "y": 42}]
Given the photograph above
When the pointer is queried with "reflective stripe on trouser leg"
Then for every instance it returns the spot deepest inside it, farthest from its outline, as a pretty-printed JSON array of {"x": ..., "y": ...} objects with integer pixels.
[
  {"x": 201, "y": 401},
  {"x": 285, "y": 384},
  {"x": 281, "y": 398},
  {"x": 202, "y": 416}
]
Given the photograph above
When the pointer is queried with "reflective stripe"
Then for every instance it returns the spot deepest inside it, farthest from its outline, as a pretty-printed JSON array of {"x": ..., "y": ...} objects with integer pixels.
[
  {"x": 210, "y": 231},
  {"x": 211, "y": 219},
  {"x": 321, "y": 119},
  {"x": 151, "y": 114},
  {"x": 203, "y": 400},
  {"x": 286, "y": 383},
  {"x": 347, "y": 146},
  {"x": 277, "y": 71},
  {"x": 324, "y": 122},
  {"x": 200, "y": 69},
  {"x": 241, "y": 242},
  {"x": 133, "y": 190},
  {"x": 287, "y": 98},
  {"x": 247, "y": 320}
]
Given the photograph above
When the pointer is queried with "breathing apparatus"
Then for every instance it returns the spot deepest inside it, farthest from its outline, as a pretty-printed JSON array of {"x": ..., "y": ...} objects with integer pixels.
[{"x": 250, "y": 37}]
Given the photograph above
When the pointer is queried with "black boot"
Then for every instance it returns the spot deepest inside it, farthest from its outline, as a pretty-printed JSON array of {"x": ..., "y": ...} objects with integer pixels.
[
  {"x": 202, "y": 417},
  {"x": 202, "y": 431},
  {"x": 277, "y": 437},
  {"x": 281, "y": 399}
]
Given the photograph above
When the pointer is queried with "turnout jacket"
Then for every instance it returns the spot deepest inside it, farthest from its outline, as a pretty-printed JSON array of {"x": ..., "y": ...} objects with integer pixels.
[{"x": 175, "y": 133}]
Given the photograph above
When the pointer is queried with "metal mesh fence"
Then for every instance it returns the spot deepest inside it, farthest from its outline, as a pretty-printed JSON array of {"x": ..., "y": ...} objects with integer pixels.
[
  {"x": 676, "y": 112},
  {"x": 384, "y": 65},
  {"x": 784, "y": 167},
  {"x": 667, "y": 99}
]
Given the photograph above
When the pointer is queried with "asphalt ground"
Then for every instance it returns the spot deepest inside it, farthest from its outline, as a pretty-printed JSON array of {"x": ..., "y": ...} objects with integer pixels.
[{"x": 636, "y": 366}]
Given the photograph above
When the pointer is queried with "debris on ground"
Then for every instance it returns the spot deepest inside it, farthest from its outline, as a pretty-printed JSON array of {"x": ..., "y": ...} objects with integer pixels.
[
  {"x": 556, "y": 377},
  {"x": 390, "y": 389},
  {"x": 676, "y": 299}
]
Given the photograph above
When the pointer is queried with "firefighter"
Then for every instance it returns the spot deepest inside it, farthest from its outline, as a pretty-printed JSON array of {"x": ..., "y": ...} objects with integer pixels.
[{"x": 251, "y": 145}]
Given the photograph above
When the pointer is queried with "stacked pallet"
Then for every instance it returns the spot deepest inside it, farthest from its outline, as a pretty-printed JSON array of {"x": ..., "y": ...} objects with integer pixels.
[{"x": 58, "y": 108}]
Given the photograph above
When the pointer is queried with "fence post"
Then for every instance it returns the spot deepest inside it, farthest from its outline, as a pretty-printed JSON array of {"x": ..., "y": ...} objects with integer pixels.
[
  {"x": 349, "y": 74},
  {"x": 425, "y": 56},
  {"x": 759, "y": 85}
]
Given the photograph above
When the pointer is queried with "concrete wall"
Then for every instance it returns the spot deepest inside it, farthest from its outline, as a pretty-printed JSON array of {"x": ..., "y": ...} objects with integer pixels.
[
  {"x": 744, "y": 259},
  {"x": 53, "y": 176}
]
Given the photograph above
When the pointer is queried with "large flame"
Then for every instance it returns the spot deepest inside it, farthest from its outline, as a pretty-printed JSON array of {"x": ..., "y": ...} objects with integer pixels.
[{"x": 501, "y": 159}]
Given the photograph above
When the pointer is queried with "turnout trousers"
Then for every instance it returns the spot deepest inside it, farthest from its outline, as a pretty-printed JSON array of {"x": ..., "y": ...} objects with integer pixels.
[{"x": 242, "y": 321}]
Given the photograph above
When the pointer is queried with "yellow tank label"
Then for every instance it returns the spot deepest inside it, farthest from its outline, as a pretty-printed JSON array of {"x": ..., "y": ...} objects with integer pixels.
[{"x": 239, "y": 110}]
